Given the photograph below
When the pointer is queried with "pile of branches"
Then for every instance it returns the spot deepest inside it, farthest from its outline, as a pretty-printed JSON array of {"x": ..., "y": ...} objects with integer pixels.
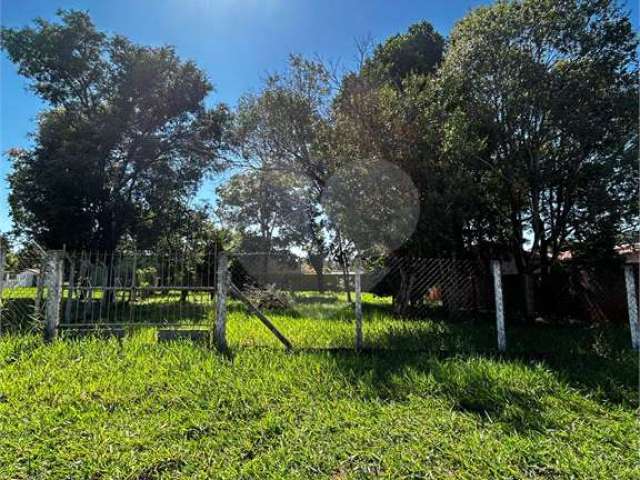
[{"x": 268, "y": 297}]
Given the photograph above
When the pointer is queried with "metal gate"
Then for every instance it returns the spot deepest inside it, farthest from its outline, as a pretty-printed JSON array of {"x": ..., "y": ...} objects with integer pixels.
[{"x": 136, "y": 289}]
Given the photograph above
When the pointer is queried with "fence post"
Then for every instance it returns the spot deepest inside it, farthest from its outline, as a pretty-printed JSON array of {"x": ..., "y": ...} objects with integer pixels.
[
  {"x": 497, "y": 287},
  {"x": 2, "y": 260},
  {"x": 37, "y": 312},
  {"x": 632, "y": 306},
  {"x": 221, "y": 310},
  {"x": 53, "y": 283},
  {"x": 70, "y": 291},
  {"x": 358, "y": 306}
]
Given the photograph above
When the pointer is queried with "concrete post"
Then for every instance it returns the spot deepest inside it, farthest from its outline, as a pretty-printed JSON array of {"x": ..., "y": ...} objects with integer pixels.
[
  {"x": 358, "y": 305},
  {"x": 53, "y": 284},
  {"x": 221, "y": 310},
  {"x": 497, "y": 287},
  {"x": 632, "y": 306}
]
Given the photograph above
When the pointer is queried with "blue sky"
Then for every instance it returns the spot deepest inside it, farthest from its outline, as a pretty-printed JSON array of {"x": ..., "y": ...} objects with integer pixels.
[{"x": 235, "y": 41}]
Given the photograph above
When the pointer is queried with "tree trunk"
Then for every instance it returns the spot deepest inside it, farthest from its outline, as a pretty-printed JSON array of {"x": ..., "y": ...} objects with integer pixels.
[
  {"x": 345, "y": 279},
  {"x": 402, "y": 299},
  {"x": 317, "y": 262},
  {"x": 320, "y": 280}
]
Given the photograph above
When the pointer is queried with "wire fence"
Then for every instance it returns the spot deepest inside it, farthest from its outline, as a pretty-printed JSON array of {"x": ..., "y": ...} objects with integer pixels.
[
  {"x": 365, "y": 303},
  {"x": 368, "y": 303},
  {"x": 22, "y": 289},
  {"x": 432, "y": 287},
  {"x": 310, "y": 308}
]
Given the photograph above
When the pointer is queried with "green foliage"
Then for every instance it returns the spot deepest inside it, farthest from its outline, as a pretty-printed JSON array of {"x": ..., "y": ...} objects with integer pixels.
[
  {"x": 125, "y": 141},
  {"x": 401, "y": 122},
  {"x": 549, "y": 89},
  {"x": 265, "y": 204},
  {"x": 526, "y": 132},
  {"x": 284, "y": 137},
  {"x": 416, "y": 52}
]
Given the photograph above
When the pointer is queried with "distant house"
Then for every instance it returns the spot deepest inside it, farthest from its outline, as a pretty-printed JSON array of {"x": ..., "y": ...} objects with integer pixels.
[
  {"x": 630, "y": 252},
  {"x": 24, "y": 279}
]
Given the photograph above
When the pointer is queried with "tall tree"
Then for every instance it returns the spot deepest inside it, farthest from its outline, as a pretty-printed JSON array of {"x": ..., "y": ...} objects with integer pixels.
[
  {"x": 258, "y": 203},
  {"x": 394, "y": 118},
  {"x": 387, "y": 111},
  {"x": 416, "y": 52},
  {"x": 286, "y": 129},
  {"x": 549, "y": 89},
  {"x": 126, "y": 134}
]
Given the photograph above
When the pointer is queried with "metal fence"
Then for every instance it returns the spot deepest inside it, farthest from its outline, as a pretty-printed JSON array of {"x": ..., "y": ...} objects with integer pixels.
[
  {"x": 365, "y": 304},
  {"x": 306, "y": 307},
  {"x": 432, "y": 287},
  {"x": 88, "y": 291},
  {"x": 125, "y": 289},
  {"x": 22, "y": 289}
]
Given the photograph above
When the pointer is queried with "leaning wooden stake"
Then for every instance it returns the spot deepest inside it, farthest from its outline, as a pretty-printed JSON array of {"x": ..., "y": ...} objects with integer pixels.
[
  {"x": 53, "y": 284},
  {"x": 221, "y": 308},
  {"x": 632, "y": 306},
  {"x": 497, "y": 287},
  {"x": 358, "y": 306},
  {"x": 238, "y": 293}
]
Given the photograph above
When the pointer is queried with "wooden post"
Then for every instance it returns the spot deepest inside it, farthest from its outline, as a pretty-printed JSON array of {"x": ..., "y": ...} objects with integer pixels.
[
  {"x": 632, "y": 306},
  {"x": 253, "y": 309},
  {"x": 221, "y": 310},
  {"x": 497, "y": 287},
  {"x": 53, "y": 283},
  {"x": 2, "y": 260},
  {"x": 358, "y": 306}
]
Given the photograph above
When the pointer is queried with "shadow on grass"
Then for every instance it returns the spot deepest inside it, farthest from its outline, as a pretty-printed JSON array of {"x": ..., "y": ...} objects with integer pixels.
[
  {"x": 370, "y": 309},
  {"x": 469, "y": 384},
  {"x": 595, "y": 361},
  {"x": 508, "y": 388},
  {"x": 592, "y": 361}
]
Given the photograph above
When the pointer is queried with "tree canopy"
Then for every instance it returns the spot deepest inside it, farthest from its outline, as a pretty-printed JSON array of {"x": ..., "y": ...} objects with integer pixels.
[
  {"x": 519, "y": 133},
  {"x": 283, "y": 136},
  {"x": 124, "y": 143},
  {"x": 550, "y": 91}
]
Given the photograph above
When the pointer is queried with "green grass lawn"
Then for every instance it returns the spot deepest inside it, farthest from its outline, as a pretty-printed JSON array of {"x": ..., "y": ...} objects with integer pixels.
[
  {"x": 330, "y": 324},
  {"x": 434, "y": 400}
]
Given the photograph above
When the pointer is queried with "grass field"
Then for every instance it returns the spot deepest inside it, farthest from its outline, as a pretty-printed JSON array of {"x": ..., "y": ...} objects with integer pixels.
[{"x": 137, "y": 409}]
